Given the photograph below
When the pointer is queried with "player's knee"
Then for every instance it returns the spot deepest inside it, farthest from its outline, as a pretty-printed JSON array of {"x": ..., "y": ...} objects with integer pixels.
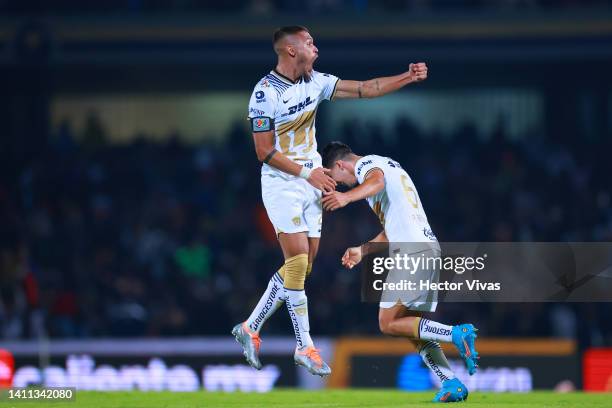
[
  {"x": 384, "y": 324},
  {"x": 295, "y": 271}
]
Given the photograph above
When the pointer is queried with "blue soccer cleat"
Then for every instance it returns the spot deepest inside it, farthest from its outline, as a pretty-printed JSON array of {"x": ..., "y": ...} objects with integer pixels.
[
  {"x": 464, "y": 336},
  {"x": 451, "y": 391}
]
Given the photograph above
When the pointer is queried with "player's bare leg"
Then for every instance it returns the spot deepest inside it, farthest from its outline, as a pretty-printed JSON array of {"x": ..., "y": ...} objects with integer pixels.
[
  {"x": 398, "y": 321},
  {"x": 299, "y": 252},
  {"x": 313, "y": 249}
]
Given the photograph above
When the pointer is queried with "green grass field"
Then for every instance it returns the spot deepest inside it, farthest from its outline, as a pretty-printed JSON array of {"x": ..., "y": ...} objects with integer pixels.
[{"x": 327, "y": 398}]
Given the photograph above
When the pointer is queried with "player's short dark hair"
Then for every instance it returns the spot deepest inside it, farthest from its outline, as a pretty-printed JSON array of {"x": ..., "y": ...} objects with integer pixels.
[
  {"x": 282, "y": 32},
  {"x": 333, "y": 152}
]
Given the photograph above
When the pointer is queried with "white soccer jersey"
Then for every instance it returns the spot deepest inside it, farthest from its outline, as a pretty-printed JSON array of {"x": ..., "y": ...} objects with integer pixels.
[
  {"x": 398, "y": 205},
  {"x": 290, "y": 109}
]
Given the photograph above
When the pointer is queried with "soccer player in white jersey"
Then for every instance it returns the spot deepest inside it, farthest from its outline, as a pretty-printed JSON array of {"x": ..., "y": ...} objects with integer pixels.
[
  {"x": 392, "y": 195},
  {"x": 282, "y": 112}
]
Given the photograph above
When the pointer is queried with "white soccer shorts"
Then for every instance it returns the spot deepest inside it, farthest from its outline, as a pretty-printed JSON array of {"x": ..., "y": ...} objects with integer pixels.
[{"x": 292, "y": 204}]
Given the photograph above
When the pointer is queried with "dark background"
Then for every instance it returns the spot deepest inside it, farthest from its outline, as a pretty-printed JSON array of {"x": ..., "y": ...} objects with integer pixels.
[{"x": 161, "y": 237}]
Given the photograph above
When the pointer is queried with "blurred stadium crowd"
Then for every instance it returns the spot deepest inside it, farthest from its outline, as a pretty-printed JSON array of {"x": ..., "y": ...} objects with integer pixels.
[
  {"x": 151, "y": 239},
  {"x": 263, "y": 7}
]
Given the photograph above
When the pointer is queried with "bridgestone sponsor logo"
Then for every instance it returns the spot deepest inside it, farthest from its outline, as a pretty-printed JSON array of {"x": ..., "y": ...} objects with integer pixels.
[
  {"x": 437, "y": 330},
  {"x": 269, "y": 303},
  {"x": 434, "y": 367},
  {"x": 296, "y": 325}
]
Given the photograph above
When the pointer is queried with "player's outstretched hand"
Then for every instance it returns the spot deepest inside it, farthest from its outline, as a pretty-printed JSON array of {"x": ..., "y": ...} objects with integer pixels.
[
  {"x": 418, "y": 71},
  {"x": 319, "y": 178},
  {"x": 351, "y": 257},
  {"x": 334, "y": 200}
]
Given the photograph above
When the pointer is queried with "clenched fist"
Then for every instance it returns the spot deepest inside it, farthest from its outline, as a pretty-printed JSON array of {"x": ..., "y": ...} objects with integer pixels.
[{"x": 418, "y": 71}]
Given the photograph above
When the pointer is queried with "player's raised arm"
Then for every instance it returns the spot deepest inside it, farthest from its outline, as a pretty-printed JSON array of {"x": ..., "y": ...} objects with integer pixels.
[
  {"x": 376, "y": 87},
  {"x": 267, "y": 153},
  {"x": 373, "y": 184}
]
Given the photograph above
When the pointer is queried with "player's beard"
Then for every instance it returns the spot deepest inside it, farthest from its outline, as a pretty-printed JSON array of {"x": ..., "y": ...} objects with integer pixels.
[{"x": 308, "y": 72}]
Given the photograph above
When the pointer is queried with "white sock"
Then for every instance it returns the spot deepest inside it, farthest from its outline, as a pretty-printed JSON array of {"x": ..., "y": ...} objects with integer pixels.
[
  {"x": 269, "y": 302},
  {"x": 434, "y": 358},
  {"x": 430, "y": 330},
  {"x": 297, "y": 305}
]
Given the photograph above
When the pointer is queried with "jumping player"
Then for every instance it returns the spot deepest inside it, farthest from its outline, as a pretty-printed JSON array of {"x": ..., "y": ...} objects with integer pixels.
[{"x": 282, "y": 111}]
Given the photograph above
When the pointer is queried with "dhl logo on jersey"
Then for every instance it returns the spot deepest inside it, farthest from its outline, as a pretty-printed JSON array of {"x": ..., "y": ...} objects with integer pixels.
[{"x": 296, "y": 108}]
